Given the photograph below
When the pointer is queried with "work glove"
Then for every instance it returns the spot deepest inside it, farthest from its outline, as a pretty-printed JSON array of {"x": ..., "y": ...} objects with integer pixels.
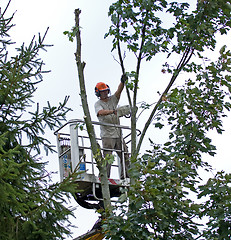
[{"x": 124, "y": 78}]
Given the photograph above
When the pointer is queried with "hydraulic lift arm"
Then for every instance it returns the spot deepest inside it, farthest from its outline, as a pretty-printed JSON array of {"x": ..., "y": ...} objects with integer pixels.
[{"x": 94, "y": 234}]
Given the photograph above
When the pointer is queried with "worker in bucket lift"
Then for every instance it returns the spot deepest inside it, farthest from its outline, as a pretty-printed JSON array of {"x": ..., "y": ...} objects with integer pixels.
[{"x": 106, "y": 112}]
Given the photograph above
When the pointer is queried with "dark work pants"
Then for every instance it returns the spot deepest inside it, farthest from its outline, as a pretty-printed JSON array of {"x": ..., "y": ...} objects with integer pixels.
[{"x": 113, "y": 144}]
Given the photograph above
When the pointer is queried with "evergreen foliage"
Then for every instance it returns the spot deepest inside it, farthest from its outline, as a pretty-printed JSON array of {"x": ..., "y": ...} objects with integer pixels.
[{"x": 30, "y": 206}]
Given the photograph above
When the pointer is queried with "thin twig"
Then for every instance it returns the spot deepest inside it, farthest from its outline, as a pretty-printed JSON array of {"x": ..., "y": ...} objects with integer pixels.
[{"x": 184, "y": 60}]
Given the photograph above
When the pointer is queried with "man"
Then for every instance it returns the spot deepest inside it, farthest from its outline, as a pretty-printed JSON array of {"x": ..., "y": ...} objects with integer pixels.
[{"x": 105, "y": 109}]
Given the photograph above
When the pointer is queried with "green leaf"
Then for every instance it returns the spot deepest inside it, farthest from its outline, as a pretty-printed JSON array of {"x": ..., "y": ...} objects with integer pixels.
[{"x": 159, "y": 125}]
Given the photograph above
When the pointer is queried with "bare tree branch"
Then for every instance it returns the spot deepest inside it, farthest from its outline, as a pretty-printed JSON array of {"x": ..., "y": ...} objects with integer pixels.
[{"x": 87, "y": 118}]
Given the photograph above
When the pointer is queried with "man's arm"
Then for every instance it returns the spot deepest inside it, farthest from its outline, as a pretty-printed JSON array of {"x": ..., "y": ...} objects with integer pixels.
[
  {"x": 119, "y": 90},
  {"x": 104, "y": 112},
  {"x": 121, "y": 86}
]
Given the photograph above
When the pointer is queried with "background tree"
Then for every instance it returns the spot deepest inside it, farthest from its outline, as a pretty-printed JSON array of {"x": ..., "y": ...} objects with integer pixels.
[
  {"x": 30, "y": 206},
  {"x": 160, "y": 206},
  {"x": 160, "y": 203}
]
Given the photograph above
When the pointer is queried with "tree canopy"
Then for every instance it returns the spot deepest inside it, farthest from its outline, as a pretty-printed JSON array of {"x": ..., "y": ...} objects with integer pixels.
[
  {"x": 160, "y": 199},
  {"x": 167, "y": 199}
]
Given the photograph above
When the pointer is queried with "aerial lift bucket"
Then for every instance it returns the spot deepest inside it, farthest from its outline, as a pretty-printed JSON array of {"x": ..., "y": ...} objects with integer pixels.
[{"x": 74, "y": 151}]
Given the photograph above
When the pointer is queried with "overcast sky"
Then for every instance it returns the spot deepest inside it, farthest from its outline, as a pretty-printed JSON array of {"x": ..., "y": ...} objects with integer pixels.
[{"x": 33, "y": 17}]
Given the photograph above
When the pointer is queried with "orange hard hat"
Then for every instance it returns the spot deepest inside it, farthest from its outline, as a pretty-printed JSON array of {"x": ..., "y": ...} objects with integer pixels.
[{"x": 100, "y": 86}]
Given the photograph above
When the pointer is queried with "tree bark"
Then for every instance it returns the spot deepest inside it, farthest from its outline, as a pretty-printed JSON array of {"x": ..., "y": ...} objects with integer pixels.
[{"x": 87, "y": 118}]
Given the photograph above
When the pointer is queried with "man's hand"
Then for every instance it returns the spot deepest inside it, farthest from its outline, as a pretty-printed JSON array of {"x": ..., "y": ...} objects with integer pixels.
[{"x": 124, "y": 78}]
